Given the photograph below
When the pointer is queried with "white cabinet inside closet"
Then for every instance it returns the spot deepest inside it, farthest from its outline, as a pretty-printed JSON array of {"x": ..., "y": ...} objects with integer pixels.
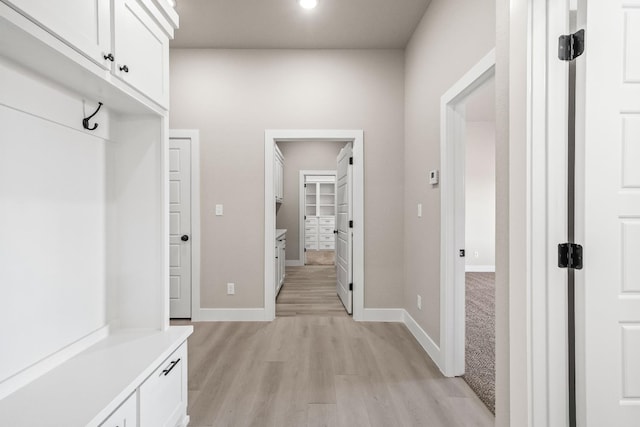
[
  {"x": 280, "y": 262},
  {"x": 319, "y": 212},
  {"x": 84, "y": 324},
  {"x": 278, "y": 175}
]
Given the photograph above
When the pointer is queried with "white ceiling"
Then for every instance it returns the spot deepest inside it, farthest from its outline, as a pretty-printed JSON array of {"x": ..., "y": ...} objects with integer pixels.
[{"x": 273, "y": 24}]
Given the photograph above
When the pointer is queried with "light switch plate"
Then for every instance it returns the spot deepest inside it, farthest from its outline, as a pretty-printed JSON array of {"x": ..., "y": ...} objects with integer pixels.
[
  {"x": 434, "y": 176},
  {"x": 419, "y": 210},
  {"x": 219, "y": 210}
]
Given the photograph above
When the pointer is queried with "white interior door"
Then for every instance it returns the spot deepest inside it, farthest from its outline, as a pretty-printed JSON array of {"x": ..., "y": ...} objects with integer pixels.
[
  {"x": 344, "y": 239},
  {"x": 180, "y": 227},
  {"x": 610, "y": 279}
]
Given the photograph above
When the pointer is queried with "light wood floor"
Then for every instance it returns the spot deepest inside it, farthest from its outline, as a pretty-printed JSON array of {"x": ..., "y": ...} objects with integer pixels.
[
  {"x": 319, "y": 370},
  {"x": 309, "y": 290}
]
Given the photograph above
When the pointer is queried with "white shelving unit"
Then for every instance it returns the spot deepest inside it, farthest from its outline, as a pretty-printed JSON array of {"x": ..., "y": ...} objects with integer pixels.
[
  {"x": 320, "y": 211},
  {"x": 85, "y": 216}
]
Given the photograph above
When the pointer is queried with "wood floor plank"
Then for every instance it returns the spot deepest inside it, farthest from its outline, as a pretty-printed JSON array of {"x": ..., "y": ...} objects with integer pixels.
[
  {"x": 321, "y": 415},
  {"x": 350, "y": 407}
]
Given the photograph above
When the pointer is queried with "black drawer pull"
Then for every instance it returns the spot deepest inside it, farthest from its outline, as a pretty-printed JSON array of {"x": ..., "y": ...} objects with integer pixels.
[{"x": 171, "y": 366}]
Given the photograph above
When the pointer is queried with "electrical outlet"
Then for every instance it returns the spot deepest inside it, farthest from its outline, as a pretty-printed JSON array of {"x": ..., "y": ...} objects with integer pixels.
[
  {"x": 476, "y": 254},
  {"x": 419, "y": 302},
  {"x": 231, "y": 288},
  {"x": 219, "y": 210}
]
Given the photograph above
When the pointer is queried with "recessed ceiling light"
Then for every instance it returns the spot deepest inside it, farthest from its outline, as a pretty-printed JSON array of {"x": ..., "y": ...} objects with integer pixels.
[{"x": 308, "y": 4}]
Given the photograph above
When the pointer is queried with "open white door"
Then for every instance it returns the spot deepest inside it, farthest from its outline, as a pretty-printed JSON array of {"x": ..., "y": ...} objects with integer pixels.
[
  {"x": 610, "y": 279},
  {"x": 344, "y": 236},
  {"x": 180, "y": 228}
]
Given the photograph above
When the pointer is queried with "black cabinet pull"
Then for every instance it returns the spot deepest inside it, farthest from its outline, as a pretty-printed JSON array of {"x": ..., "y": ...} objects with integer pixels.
[
  {"x": 109, "y": 57},
  {"x": 185, "y": 238},
  {"x": 170, "y": 368},
  {"x": 124, "y": 68}
]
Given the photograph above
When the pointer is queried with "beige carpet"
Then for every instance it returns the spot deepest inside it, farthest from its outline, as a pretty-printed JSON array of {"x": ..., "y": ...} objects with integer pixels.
[
  {"x": 320, "y": 258},
  {"x": 480, "y": 349}
]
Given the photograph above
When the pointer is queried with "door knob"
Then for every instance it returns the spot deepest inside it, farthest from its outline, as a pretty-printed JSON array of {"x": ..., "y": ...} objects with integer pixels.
[{"x": 184, "y": 238}]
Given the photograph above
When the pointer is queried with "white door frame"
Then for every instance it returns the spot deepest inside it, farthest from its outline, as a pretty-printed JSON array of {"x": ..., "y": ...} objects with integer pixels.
[
  {"x": 537, "y": 214},
  {"x": 452, "y": 149},
  {"x": 194, "y": 136},
  {"x": 301, "y": 211},
  {"x": 357, "y": 138}
]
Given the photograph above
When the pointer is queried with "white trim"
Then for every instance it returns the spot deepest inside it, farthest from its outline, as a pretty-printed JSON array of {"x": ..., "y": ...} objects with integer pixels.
[
  {"x": 302, "y": 207},
  {"x": 194, "y": 136},
  {"x": 50, "y": 362},
  {"x": 452, "y": 291},
  {"x": 357, "y": 138},
  {"x": 480, "y": 268},
  {"x": 232, "y": 315},
  {"x": 383, "y": 315},
  {"x": 428, "y": 344}
]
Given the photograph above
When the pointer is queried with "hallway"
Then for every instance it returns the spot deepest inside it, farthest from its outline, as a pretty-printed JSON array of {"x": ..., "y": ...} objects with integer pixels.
[{"x": 315, "y": 366}]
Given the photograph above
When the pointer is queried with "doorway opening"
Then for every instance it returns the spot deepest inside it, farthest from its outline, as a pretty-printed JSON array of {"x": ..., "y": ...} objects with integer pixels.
[
  {"x": 468, "y": 229},
  {"x": 278, "y": 211},
  {"x": 316, "y": 214}
]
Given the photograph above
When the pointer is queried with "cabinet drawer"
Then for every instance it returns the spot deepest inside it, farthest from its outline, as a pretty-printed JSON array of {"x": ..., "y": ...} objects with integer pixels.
[
  {"x": 326, "y": 238},
  {"x": 310, "y": 237},
  {"x": 311, "y": 229},
  {"x": 163, "y": 396},
  {"x": 327, "y": 221},
  {"x": 125, "y": 415},
  {"x": 326, "y": 229},
  {"x": 327, "y": 246},
  {"x": 311, "y": 221},
  {"x": 312, "y": 246}
]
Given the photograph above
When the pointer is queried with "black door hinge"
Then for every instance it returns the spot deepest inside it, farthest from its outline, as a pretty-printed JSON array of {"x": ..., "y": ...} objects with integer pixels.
[
  {"x": 350, "y": 286},
  {"x": 570, "y": 256},
  {"x": 351, "y": 224},
  {"x": 305, "y": 186},
  {"x": 571, "y": 46},
  {"x": 350, "y": 160},
  {"x": 305, "y": 249}
]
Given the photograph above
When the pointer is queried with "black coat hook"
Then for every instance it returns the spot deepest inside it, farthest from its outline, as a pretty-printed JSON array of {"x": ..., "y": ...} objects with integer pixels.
[{"x": 85, "y": 121}]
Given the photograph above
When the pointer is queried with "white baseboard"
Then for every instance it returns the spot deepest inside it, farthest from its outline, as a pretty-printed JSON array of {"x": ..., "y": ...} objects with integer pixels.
[
  {"x": 294, "y": 263},
  {"x": 480, "y": 268},
  {"x": 383, "y": 315},
  {"x": 432, "y": 349},
  {"x": 35, "y": 371},
  {"x": 230, "y": 315}
]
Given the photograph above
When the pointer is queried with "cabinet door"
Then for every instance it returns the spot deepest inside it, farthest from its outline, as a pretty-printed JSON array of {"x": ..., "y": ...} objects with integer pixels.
[
  {"x": 83, "y": 24},
  {"x": 141, "y": 51},
  {"x": 163, "y": 396},
  {"x": 125, "y": 416}
]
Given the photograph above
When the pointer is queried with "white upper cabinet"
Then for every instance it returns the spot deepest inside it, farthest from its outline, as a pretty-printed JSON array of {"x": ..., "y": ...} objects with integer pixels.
[
  {"x": 141, "y": 51},
  {"x": 84, "y": 25}
]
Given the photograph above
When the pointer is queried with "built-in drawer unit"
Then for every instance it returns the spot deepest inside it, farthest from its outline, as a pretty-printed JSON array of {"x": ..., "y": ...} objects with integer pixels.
[
  {"x": 327, "y": 246},
  {"x": 326, "y": 229},
  {"x": 163, "y": 396},
  {"x": 312, "y": 246},
  {"x": 125, "y": 416},
  {"x": 311, "y": 221},
  {"x": 327, "y": 221}
]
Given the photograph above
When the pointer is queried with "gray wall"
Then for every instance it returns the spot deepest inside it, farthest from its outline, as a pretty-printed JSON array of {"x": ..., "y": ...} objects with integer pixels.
[
  {"x": 451, "y": 38},
  {"x": 480, "y": 194},
  {"x": 307, "y": 155},
  {"x": 232, "y": 96}
]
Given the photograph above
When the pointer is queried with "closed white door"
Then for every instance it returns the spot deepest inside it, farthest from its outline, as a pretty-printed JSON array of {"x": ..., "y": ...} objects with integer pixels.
[
  {"x": 344, "y": 239},
  {"x": 180, "y": 227},
  {"x": 610, "y": 279}
]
